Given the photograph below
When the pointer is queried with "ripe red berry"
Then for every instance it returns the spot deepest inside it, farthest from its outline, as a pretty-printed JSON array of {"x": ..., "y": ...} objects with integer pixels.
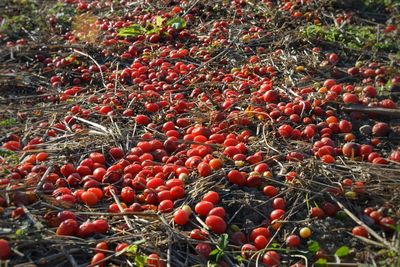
[
  {"x": 181, "y": 217},
  {"x": 236, "y": 177},
  {"x": 127, "y": 195},
  {"x": 142, "y": 120},
  {"x": 248, "y": 250},
  {"x": 277, "y": 214},
  {"x": 293, "y": 241},
  {"x": 89, "y": 198},
  {"x": 360, "y": 231},
  {"x": 279, "y": 203},
  {"x": 203, "y": 208},
  {"x": 271, "y": 258},
  {"x": 166, "y": 206},
  {"x": 101, "y": 226},
  {"x": 67, "y": 227},
  {"x": 316, "y": 212},
  {"x": 212, "y": 197},
  {"x": 260, "y": 242},
  {"x": 203, "y": 249},
  {"x": 5, "y": 250},
  {"x": 216, "y": 224},
  {"x": 204, "y": 169},
  {"x": 259, "y": 231},
  {"x": 218, "y": 211},
  {"x": 270, "y": 191},
  {"x": 98, "y": 257},
  {"x": 101, "y": 247}
]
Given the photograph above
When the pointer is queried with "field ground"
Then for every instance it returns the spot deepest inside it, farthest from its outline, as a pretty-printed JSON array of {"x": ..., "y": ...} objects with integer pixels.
[{"x": 199, "y": 133}]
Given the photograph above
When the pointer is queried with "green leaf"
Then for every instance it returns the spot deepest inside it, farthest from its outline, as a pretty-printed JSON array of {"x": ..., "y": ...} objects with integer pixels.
[
  {"x": 4, "y": 170},
  {"x": 214, "y": 252},
  {"x": 313, "y": 246},
  {"x": 220, "y": 250},
  {"x": 8, "y": 122},
  {"x": 159, "y": 21},
  {"x": 177, "y": 23},
  {"x": 153, "y": 30},
  {"x": 307, "y": 202},
  {"x": 219, "y": 256},
  {"x": 341, "y": 215},
  {"x": 140, "y": 260},
  {"x": 239, "y": 259},
  {"x": 211, "y": 264},
  {"x": 132, "y": 30},
  {"x": 275, "y": 245},
  {"x": 5, "y": 152},
  {"x": 20, "y": 232},
  {"x": 343, "y": 251},
  {"x": 132, "y": 249},
  {"x": 321, "y": 262},
  {"x": 223, "y": 241}
]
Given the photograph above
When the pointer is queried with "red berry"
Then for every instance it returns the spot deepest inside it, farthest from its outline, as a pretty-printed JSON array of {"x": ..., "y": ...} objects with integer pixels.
[
  {"x": 277, "y": 214},
  {"x": 236, "y": 177},
  {"x": 216, "y": 224},
  {"x": 360, "y": 231},
  {"x": 259, "y": 231},
  {"x": 203, "y": 208},
  {"x": 270, "y": 191},
  {"x": 166, "y": 206},
  {"x": 67, "y": 227},
  {"x": 248, "y": 250},
  {"x": 279, "y": 203},
  {"x": 211, "y": 196},
  {"x": 98, "y": 257},
  {"x": 271, "y": 258},
  {"x": 387, "y": 223},
  {"x": 293, "y": 241},
  {"x": 101, "y": 247},
  {"x": 101, "y": 226},
  {"x": 203, "y": 249},
  {"x": 181, "y": 217},
  {"x": 204, "y": 169},
  {"x": 127, "y": 195},
  {"x": 316, "y": 212},
  {"x": 218, "y": 211},
  {"x": 5, "y": 250},
  {"x": 154, "y": 260},
  {"x": 260, "y": 242},
  {"x": 142, "y": 120},
  {"x": 89, "y": 198}
]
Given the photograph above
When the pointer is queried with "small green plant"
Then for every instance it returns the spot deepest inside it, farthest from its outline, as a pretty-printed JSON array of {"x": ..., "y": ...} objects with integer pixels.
[
  {"x": 22, "y": 16},
  {"x": 9, "y": 158},
  {"x": 133, "y": 253},
  {"x": 64, "y": 13},
  {"x": 313, "y": 246},
  {"x": 8, "y": 122},
  {"x": 217, "y": 253},
  {"x": 353, "y": 37},
  {"x": 385, "y": 3},
  {"x": 343, "y": 251},
  {"x": 152, "y": 28}
]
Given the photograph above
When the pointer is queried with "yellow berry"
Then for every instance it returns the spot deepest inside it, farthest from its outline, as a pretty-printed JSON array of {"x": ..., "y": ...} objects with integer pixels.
[
  {"x": 239, "y": 163},
  {"x": 235, "y": 228},
  {"x": 305, "y": 232},
  {"x": 351, "y": 195},
  {"x": 187, "y": 209}
]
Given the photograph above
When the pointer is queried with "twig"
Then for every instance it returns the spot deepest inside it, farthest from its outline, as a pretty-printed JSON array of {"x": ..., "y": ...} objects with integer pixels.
[
  {"x": 43, "y": 178},
  {"x": 371, "y": 231},
  {"x": 121, "y": 208}
]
